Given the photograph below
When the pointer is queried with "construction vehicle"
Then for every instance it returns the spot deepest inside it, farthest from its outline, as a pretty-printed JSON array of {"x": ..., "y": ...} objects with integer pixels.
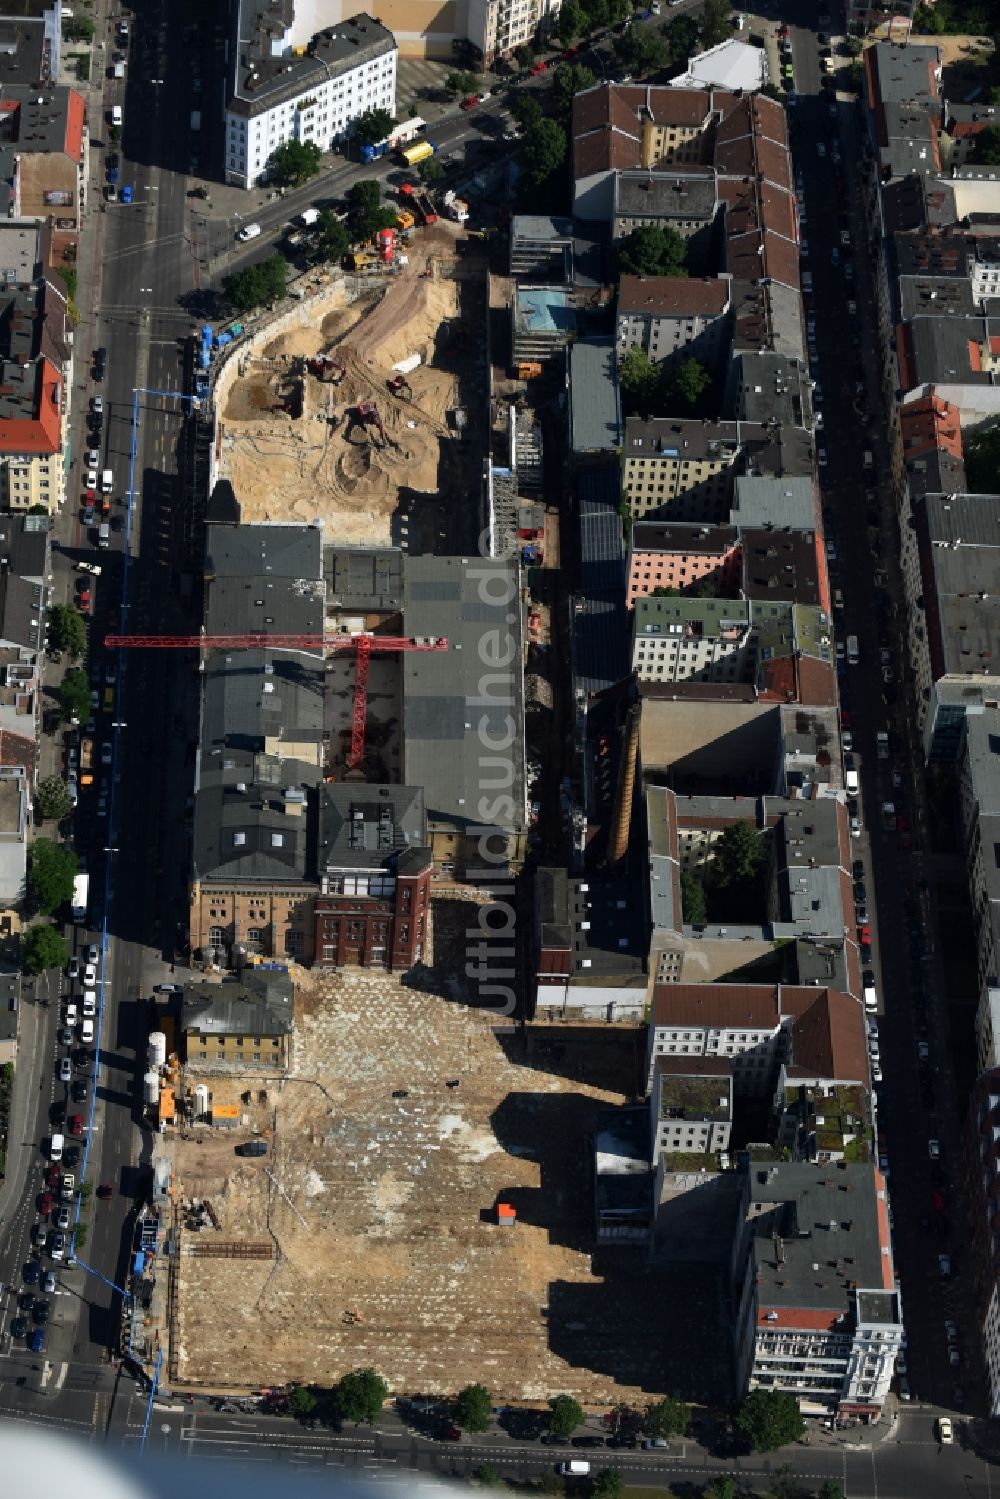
[
  {"x": 419, "y": 151},
  {"x": 528, "y": 370},
  {"x": 364, "y": 644},
  {"x": 363, "y": 260},
  {"x": 401, "y": 388},
  {"x": 86, "y": 762},
  {"x": 367, "y": 413},
  {"x": 326, "y": 369},
  {"x": 405, "y": 220},
  {"x": 425, "y": 207},
  {"x": 455, "y": 207}
]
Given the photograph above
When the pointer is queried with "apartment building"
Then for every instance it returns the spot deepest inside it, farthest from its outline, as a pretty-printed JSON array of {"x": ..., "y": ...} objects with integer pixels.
[
  {"x": 36, "y": 354},
  {"x": 668, "y": 316},
  {"x": 685, "y": 201},
  {"x": 725, "y": 640},
  {"x": 239, "y": 1025},
  {"x": 43, "y": 144},
  {"x": 726, "y": 562},
  {"x": 960, "y": 129},
  {"x": 686, "y": 470},
  {"x": 284, "y": 86},
  {"x": 691, "y": 1105},
  {"x": 588, "y": 946},
  {"x": 982, "y": 1181},
  {"x": 496, "y": 28},
  {"x": 819, "y": 1313},
  {"x": 978, "y": 765}
]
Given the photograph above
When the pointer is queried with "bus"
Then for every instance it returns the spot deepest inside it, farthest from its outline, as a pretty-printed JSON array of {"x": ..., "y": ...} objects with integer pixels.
[{"x": 419, "y": 151}]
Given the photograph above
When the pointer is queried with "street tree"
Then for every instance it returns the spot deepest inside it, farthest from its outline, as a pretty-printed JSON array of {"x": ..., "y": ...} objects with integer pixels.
[
  {"x": 668, "y": 1417},
  {"x": 598, "y": 14},
  {"x": 74, "y": 696},
  {"x": 296, "y": 161},
  {"x": 572, "y": 21},
  {"x": 610, "y": 1484},
  {"x": 42, "y": 947},
  {"x": 301, "y": 1401},
  {"x": 53, "y": 799},
  {"x": 461, "y": 83},
  {"x": 372, "y": 127},
  {"x": 723, "y": 1487},
  {"x": 265, "y": 281},
  {"x": 360, "y": 1396},
  {"x": 526, "y": 110},
  {"x": 473, "y": 1408},
  {"x": 689, "y": 383},
  {"x": 524, "y": 56},
  {"x": 430, "y": 171},
  {"x": 829, "y": 1489},
  {"x": 543, "y": 150},
  {"x": 51, "y": 871},
  {"x": 567, "y": 80},
  {"x": 682, "y": 39},
  {"x": 769, "y": 1419},
  {"x": 642, "y": 49},
  {"x": 487, "y": 1476},
  {"x": 649, "y": 250},
  {"x": 786, "y": 1484},
  {"x": 565, "y": 1415},
  {"x": 67, "y": 630},
  {"x": 639, "y": 383},
  {"x": 334, "y": 240},
  {"x": 716, "y": 22},
  {"x": 364, "y": 209}
]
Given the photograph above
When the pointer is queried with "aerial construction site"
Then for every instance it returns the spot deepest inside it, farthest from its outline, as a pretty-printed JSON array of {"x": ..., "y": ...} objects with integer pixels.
[{"x": 317, "y": 420}]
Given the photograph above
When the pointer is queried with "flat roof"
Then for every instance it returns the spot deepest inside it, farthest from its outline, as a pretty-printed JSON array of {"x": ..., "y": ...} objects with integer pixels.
[
  {"x": 367, "y": 578},
  {"x": 595, "y": 409},
  {"x": 680, "y": 193},
  {"x": 259, "y": 79},
  {"x": 544, "y": 309}
]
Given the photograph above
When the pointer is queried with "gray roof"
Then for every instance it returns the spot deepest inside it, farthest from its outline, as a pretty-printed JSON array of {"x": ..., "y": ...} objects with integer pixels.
[
  {"x": 909, "y": 148},
  {"x": 602, "y": 546},
  {"x": 663, "y": 862},
  {"x": 454, "y": 699},
  {"x": 371, "y": 827},
  {"x": 363, "y": 578},
  {"x": 769, "y": 387},
  {"x": 779, "y": 502},
  {"x": 982, "y": 753},
  {"x": 541, "y": 226},
  {"x": 260, "y": 80},
  {"x": 263, "y": 550},
  {"x": 904, "y": 72},
  {"x": 959, "y": 538},
  {"x": 752, "y": 447},
  {"x": 22, "y": 612},
  {"x": 25, "y": 53},
  {"x": 43, "y": 117},
  {"x": 595, "y": 410},
  {"x": 935, "y": 296},
  {"x": 940, "y": 350},
  {"x": 24, "y": 546},
  {"x": 614, "y": 945},
  {"x": 599, "y": 642},
  {"x": 19, "y": 254},
  {"x": 678, "y": 194},
  {"x": 823, "y": 1216},
  {"x": 260, "y": 1004}
]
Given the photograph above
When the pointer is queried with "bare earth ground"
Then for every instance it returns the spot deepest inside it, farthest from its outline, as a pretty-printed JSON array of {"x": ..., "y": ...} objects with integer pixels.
[
  {"x": 321, "y": 463},
  {"x": 385, "y": 1249}
]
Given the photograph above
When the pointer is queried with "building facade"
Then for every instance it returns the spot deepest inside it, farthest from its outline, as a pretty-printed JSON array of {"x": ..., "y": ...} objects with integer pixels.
[
  {"x": 667, "y": 316},
  {"x": 239, "y": 1025}
]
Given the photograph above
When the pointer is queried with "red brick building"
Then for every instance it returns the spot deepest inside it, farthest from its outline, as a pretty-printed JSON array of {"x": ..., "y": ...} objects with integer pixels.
[{"x": 375, "y": 877}]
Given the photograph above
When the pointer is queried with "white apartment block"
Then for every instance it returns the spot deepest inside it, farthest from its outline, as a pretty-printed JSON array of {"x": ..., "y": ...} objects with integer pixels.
[
  {"x": 499, "y": 27},
  {"x": 280, "y": 92}
]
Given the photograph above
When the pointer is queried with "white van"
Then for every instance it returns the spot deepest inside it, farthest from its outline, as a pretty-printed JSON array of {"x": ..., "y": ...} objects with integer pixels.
[
  {"x": 107, "y": 481},
  {"x": 119, "y": 67},
  {"x": 86, "y": 1030},
  {"x": 871, "y": 998},
  {"x": 249, "y": 231},
  {"x": 104, "y": 536},
  {"x": 117, "y": 118},
  {"x": 56, "y": 1147},
  {"x": 575, "y": 1468}
]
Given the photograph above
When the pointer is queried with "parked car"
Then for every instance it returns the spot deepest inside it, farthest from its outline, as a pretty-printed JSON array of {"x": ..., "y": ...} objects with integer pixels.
[{"x": 65, "y": 1069}]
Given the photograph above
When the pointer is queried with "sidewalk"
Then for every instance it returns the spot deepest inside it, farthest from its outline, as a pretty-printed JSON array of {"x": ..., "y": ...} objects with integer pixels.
[{"x": 22, "y": 1151}]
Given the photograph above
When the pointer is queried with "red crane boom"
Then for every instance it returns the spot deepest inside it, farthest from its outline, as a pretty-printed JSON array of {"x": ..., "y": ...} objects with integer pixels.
[{"x": 365, "y": 644}]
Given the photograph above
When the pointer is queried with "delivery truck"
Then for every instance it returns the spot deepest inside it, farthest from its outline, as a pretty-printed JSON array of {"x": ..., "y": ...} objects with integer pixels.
[
  {"x": 419, "y": 151},
  {"x": 81, "y": 895}
]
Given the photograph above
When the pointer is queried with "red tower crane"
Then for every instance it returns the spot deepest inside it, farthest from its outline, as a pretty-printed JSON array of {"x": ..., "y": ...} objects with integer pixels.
[{"x": 366, "y": 644}]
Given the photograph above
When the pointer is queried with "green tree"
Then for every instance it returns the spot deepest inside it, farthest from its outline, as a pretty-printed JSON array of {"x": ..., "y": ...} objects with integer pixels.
[
  {"x": 769, "y": 1419},
  {"x": 551, "y": 1483},
  {"x": 524, "y": 56},
  {"x": 668, "y": 1418},
  {"x": 78, "y": 28},
  {"x": 598, "y": 13},
  {"x": 639, "y": 383},
  {"x": 982, "y": 457},
  {"x": 830, "y": 1490},
  {"x": 526, "y": 110},
  {"x": 430, "y": 171},
  {"x": 723, "y": 1487},
  {"x": 694, "y": 902},
  {"x": 986, "y": 151},
  {"x": 114, "y": 134},
  {"x": 42, "y": 947},
  {"x": 716, "y": 22},
  {"x": 84, "y": 1191},
  {"x": 487, "y": 1475},
  {"x": 244, "y": 290},
  {"x": 689, "y": 383},
  {"x": 67, "y": 630},
  {"x": 334, "y": 241},
  {"x": 51, "y": 871},
  {"x": 682, "y": 38},
  {"x": 372, "y": 127},
  {"x": 651, "y": 251},
  {"x": 542, "y": 150},
  {"x": 772, "y": 91},
  {"x": 565, "y": 1415},
  {"x": 74, "y": 696},
  {"x": 473, "y": 1408},
  {"x": 296, "y": 161},
  {"x": 786, "y": 1484},
  {"x": 79, "y": 1236},
  {"x": 738, "y": 854},
  {"x": 461, "y": 83},
  {"x": 364, "y": 202},
  {"x": 567, "y": 80},
  {"x": 53, "y": 799},
  {"x": 360, "y": 1396},
  {"x": 301, "y": 1401},
  {"x": 855, "y": 46},
  {"x": 275, "y": 273},
  {"x": 642, "y": 49},
  {"x": 571, "y": 22},
  {"x": 610, "y": 1484}
]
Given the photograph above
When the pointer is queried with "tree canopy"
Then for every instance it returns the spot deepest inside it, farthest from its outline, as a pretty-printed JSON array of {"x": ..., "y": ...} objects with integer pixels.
[
  {"x": 649, "y": 250},
  {"x": 265, "y": 281},
  {"x": 301, "y": 1401},
  {"x": 610, "y": 1484},
  {"x": 53, "y": 799},
  {"x": 372, "y": 127},
  {"x": 643, "y": 49},
  {"x": 360, "y": 1396},
  {"x": 526, "y": 110},
  {"x": 473, "y": 1408},
  {"x": 461, "y": 83},
  {"x": 542, "y": 151},
  {"x": 366, "y": 214},
  {"x": 639, "y": 381},
  {"x": 716, "y": 22},
  {"x": 334, "y": 239},
  {"x": 565, "y": 1415},
  {"x": 982, "y": 457},
  {"x": 572, "y": 21},
  {"x": 296, "y": 161},
  {"x": 74, "y": 696},
  {"x": 687, "y": 384},
  {"x": 567, "y": 80},
  {"x": 738, "y": 854},
  {"x": 430, "y": 171},
  {"x": 51, "y": 870},
  {"x": 67, "y": 630},
  {"x": 769, "y": 1419},
  {"x": 667, "y": 1418},
  {"x": 42, "y": 947},
  {"x": 694, "y": 902},
  {"x": 986, "y": 151}
]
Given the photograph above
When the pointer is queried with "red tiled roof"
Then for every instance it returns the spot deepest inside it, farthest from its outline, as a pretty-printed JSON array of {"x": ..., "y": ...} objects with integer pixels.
[
  {"x": 930, "y": 425},
  {"x": 673, "y": 296},
  {"x": 829, "y": 1039},
  {"x": 41, "y": 433},
  {"x": 76, "y": 115}
]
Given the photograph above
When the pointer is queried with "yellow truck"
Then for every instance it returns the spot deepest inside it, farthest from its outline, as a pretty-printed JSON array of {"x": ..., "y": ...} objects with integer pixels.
[
  {"x": 404, "y": 219},
  {"x": 419, "y": 151}
]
